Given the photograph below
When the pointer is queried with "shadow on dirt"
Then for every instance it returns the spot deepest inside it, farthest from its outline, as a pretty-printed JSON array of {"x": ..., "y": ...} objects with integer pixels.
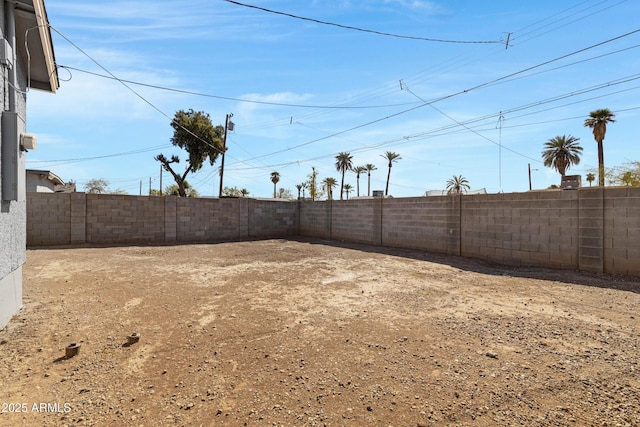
[
  {"x": 574, "y": 277},
  {"x": 599, "y": 280}
]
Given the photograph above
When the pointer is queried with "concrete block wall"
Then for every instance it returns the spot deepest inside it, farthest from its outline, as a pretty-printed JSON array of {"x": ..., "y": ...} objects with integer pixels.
[
  {"x": 124, "y": 219},
  {"x": 268, "y": 218},
  {"x": 201, "y": 220},
  {"x": 588, "y": 229},
  {"x": 431, "y": 224},
  {"x": 48, "y": 219},
  {"x": 591, "y": 230},
  {"x": 356, "y": 221},
  {"x": 534, "y": 229},
  {"x": 78, "y": 218},
  {"x": 622, "y": 231},
  {"x": 315, "y": 219}
]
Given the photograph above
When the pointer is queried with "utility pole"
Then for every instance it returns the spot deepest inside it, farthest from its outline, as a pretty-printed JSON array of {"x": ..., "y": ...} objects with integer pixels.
[{"x": 227, "y": 125}]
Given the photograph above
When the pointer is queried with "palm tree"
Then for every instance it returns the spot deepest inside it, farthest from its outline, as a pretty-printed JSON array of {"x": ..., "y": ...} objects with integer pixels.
[
  {"x": 343, "y": 164},
  {"x": 329, "y": 183},
  {"x": 392, "y": 158},
  {"x": 597, "y": 121},
  {"x": 244, "y": 192},
  {"x": 369, "y": 167},
  {"x": 457, "y": 185},
  {"x": 348, "y": 189},
  {"x": 358, "y": 170},
  {"x": 561, "y": 152},
  {"x": 591, "y": 177},
  {"x": 299, "y": 188},
  {"x": 275, "y": 178}
]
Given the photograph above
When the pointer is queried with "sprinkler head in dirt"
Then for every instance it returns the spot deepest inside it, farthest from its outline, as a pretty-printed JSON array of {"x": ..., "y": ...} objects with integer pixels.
[
  {"x": 71, "y": 350},
  {"x": 133, "y": 338}
]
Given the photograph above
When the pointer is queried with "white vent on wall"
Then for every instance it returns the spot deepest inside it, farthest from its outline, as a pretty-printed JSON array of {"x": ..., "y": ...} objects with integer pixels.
[{"x": 28, "y": 141}]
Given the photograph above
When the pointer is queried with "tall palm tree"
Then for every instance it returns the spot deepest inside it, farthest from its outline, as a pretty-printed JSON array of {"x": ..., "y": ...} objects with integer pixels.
[
  {"x": 299, "y": 188},
  {"x": 561, "y": 152},
  {"x": 591, "y": 177},
  {"x": 275, "y": 178},
  {"x": 358, "y": 170},
  {"x": 597, "y": 121},
  {"x": 457, "y": 185},
  {"x": 348, "y": 189},
  {"x": 343, "y": 163},
  {"x": 369, "y": 167},
  {"x": 329, "y": 183},
  {"x": 392, "y": 158},
  {"x": 244, "y": 192}
]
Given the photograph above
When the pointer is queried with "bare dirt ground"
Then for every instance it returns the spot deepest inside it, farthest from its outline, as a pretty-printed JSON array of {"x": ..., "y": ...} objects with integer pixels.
[{"x": 305, "y": 333}]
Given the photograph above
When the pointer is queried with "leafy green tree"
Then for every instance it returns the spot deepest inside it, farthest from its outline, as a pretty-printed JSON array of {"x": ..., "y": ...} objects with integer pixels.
[
  {"x": 627, "y": 175},
  {"x": 315, "y": 191},
  {"x": 457, "y": 185},
  {"x": 174, "y": 190},
  {"x": 101, "y": 186},
  {"x": 391, "y": 157},
  {"x": 285, "y": 193},
  {"x": 590, "y": 178},
  {"x": 597, "y": 121},
  {"x": 193, "y": 132},
  {"x": 275, "y": 178},
  {"x": 232, "y": 192},
  {"x": 369, "y": 167},
  {"x": 348, "y": 188},
  {"x": 97, "y": 186},
  {"x": 358, "y": 170},
  {"x": 629, "y": 179},
  {"x": 561, "y": 152},
  {"x": 343, "y": 164},
  {"x": 329, "y": 184}
]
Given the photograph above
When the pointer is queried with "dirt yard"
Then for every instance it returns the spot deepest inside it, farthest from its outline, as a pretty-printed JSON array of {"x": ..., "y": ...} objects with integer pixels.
[{"x": 312, "y": 333}]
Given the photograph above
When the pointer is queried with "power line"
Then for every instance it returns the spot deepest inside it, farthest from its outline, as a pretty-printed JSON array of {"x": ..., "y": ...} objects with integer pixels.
[
  {"x": 465, "y": 91},
  {"x": 434, "y": 132},
  {"x": 136, "y": 93},
  {"x": 227, "y": 98},
  {"x": 571, "y": 22},
  {"x": 81, "y": 159},
  {"x": 348, "y": 27}
]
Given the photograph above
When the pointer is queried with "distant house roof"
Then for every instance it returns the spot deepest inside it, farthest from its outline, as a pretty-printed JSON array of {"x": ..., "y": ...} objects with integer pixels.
[
  {"x": 43, "y": 181},
  {"x": 55, "y": 179},
  {"x": 33, "y": 33}
]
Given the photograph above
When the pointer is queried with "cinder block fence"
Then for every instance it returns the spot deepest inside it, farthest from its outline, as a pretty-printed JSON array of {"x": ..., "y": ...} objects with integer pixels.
[{"x": 595, "y": 230}]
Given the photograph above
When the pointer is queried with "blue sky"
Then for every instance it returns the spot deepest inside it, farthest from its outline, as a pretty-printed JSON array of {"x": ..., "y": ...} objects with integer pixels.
[{"x": 301, "y": 92}]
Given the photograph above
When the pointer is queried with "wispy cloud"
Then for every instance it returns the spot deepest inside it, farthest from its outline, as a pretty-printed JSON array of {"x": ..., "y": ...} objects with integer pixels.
[
  {"x": 145, "y": 20},
  {"x": 424, "y": 6}
]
